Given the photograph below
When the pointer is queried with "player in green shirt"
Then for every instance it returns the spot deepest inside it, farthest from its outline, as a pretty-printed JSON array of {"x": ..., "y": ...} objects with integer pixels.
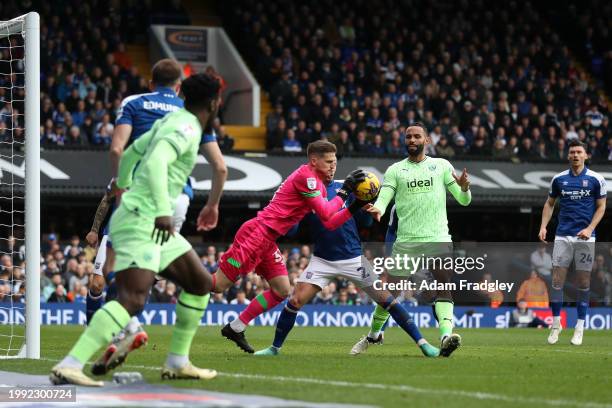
[
  {"x": 155, "y": 169},
  {"x": 418, "y": 184}
]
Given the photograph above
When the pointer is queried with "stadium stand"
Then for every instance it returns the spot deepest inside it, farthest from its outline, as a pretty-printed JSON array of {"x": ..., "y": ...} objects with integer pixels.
[{"x": 497, "y": 84}]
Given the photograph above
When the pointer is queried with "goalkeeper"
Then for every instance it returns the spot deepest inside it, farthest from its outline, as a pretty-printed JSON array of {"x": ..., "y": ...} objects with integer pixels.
[
  {"x": 418, "y": 184},
  {"x": 145, "y": 242}
]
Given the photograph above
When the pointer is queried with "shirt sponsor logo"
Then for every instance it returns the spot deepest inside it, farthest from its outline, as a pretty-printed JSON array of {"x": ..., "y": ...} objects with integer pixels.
[
  {"x": 575, "y": 194},
  {"x": 419, "y": 186},
  {"x": 311, "y": 183}
]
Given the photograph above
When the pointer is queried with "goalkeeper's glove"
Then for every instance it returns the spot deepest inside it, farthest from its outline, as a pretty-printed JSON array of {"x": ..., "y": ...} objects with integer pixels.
[{"x": 351, "y": 182}]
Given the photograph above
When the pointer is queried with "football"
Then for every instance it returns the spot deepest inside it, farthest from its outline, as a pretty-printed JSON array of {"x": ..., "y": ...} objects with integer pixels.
[{"x": 368, "y": 189}]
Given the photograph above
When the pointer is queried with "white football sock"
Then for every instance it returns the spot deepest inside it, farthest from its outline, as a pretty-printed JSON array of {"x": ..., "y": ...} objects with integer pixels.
[
  {"x": 175, "y": 361},
  {"x": 580, "y": 324},
  {"x": 70, "y": 361},
  {"x": 374, "y": 334},
  {"x": 133, "y": 325},
  {"x": 557, "y": 321},
  {"x": 238, "y": 326}
]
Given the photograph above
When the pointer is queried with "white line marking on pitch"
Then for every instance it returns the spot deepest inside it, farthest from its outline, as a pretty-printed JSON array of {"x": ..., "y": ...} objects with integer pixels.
[{"x": 405, "y": 388}]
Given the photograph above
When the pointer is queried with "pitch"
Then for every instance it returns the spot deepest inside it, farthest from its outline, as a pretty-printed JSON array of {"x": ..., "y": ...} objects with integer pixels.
[{"x": 493, "y": 367}]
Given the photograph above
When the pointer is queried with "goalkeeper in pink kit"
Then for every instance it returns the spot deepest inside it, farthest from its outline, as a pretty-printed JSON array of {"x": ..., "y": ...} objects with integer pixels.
[{"x": 254, "y": 247}]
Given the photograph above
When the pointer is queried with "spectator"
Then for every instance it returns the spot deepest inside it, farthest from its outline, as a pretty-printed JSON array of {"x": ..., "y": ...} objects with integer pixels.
[
  {"x": 325, "y": 296},
  {"x": 541, "y": 262},
  {"x": 58, "y": 295},
  {"x": 377, "y": 148},
  {"x": 240, "y": 299},
  {"x": 443, "y": 149},
  {"x": 290, "y": 144},
  {"x": 522, "y": 316},
  {"x": 104, "y": 131},
  {"x": 533, "y": 290}
]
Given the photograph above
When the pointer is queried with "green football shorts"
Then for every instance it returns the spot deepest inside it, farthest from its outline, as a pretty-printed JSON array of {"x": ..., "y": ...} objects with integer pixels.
[
  {"x": 130, "y": 234},
  {"x": 411, "y": 257}
]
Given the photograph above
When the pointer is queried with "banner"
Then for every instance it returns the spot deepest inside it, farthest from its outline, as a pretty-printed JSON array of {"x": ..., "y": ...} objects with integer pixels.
[
  {"x": 310, "y": 315},
  {"x": 257, "y": 176},
  {"x": 188, "y": 44}
]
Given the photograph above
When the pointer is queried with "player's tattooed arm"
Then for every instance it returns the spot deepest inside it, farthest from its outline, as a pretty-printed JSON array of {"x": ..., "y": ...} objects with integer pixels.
[{"x": 101, "y": 211}]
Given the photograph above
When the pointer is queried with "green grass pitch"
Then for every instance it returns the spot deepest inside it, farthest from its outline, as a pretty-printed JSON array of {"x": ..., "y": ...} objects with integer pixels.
[{"x": 501, "y": 368}]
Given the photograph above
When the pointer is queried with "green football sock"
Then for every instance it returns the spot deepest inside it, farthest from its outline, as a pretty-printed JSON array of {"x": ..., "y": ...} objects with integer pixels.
[
  {"x": 444, "y": 311},
  {"x": 189, "y": 311},
  {"x": 379, "y": 318},
  {"x": 105, "y": 323}
]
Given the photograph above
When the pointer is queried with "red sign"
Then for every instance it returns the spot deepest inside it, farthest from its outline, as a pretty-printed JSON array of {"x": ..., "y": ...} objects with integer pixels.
[{"x": 546, "y": 315}]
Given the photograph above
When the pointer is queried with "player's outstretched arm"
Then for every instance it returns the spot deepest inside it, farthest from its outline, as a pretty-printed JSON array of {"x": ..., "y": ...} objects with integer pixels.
[
  {"x": 208, "y": 217},
  {"x": 386, "y": 194},
  {"x": 547, "y": 212},
  {"x": 600, "y": 209},
  {"x": 326, "y": 210},
  {"x": 121, "y": 135}
]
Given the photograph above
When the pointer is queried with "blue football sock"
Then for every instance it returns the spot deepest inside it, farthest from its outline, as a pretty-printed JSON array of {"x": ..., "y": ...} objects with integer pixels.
[
  {"x": 582, "y": 302},
  {"x": 556, "y": 300},
  {"x": 382, "y": 329},
  {"x": 92, "y": 304},
  {"x": 403, "y": 319},
  {"x": 285, "y": 324}
]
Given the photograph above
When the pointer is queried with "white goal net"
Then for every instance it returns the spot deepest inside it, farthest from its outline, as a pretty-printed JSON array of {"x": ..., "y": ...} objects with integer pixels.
[{"x": 20, "y": 187}]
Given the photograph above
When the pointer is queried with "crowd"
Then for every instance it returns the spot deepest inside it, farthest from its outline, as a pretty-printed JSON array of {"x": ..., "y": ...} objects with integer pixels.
[
  {"x": 85, "y": 69},
  {"x": 66, "y": 270},
  {"x": 487, "y": 83}
]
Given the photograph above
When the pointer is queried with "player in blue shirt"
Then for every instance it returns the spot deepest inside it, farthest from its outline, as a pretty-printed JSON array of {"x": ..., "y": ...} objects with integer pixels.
[
  {"x": 337, "y": 254},
  {"x": 136, "y": 116},
  {"x": 582, "y": 203}
]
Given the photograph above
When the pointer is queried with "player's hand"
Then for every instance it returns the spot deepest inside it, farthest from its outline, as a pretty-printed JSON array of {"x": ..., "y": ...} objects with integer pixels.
[
  {"x": 208, "y": 218},
  {"x": 462, "y": 180},
  {"x": 359, "y": 204},
  {"x": 542, "y": 234},
  {"x": 92, "y": 238},
  {"x": 374, "y": 212},
  {"x": 164, "y": 229},
  {"x": 350, "y": 183},
  {"x": 585, "y": 234}
]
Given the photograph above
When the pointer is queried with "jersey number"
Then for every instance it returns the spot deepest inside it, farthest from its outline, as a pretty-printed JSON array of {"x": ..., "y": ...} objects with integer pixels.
[
  {"x": 586, "y": 258},
  {"x": 363, "y": 272}
]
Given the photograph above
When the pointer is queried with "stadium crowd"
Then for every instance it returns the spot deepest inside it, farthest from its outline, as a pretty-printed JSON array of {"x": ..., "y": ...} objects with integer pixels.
[
  {"x": 496, "y": 84},
  {"x": 85, "y": 69},
  {"x": 66, "y": 270}
]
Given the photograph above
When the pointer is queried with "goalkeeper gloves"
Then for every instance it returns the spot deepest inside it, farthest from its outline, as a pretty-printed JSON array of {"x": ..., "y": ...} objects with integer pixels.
[{"x": 351, "y": 182}]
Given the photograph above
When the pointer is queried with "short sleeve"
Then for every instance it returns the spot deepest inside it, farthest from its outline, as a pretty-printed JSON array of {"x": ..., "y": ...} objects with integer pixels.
[
  {"x": 125, "y": 115},
  {"x": 181, "y": 136},
  {"x": 306, "y": 184},
  {"x": 209, "y": 137},
  {"x": 554, "y": 188},
  {"x": 601, "y": 190}
]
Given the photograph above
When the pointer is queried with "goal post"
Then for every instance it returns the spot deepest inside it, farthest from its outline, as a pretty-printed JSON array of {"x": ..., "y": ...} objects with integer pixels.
[{"x": 20, "y": 37}]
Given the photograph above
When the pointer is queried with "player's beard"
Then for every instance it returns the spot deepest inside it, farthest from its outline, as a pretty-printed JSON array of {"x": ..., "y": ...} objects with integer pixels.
[{"x": 416, "y": 151}]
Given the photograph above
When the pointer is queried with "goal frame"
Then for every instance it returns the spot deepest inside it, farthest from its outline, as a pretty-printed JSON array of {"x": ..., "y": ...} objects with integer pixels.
[{"x": 28, "y": 25}]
